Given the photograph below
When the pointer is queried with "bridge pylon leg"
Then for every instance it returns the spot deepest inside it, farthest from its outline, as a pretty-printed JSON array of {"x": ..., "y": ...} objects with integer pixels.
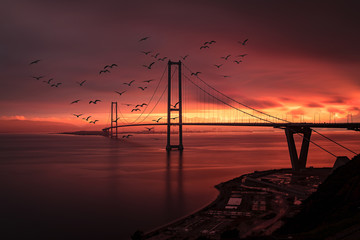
[
  {"x": 173, "y": 108},
  {"x": 114, "y": 119},
  {"x": 298, "y": 162}
]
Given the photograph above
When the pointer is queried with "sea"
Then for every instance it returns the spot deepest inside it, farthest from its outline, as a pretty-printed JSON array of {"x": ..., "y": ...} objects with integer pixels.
[{"x": 57, "y": 186}]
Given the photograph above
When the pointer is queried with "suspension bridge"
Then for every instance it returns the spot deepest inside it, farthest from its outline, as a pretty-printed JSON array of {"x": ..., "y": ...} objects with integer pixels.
[{"x": 191, "y": 101}]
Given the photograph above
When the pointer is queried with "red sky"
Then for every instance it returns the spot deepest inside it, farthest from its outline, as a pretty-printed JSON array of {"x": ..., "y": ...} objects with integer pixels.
[{"x": 303, "y": 56}]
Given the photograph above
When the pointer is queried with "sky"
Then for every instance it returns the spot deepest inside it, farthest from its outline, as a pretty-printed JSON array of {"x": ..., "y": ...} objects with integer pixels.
[{"x": 302, "y": 57}]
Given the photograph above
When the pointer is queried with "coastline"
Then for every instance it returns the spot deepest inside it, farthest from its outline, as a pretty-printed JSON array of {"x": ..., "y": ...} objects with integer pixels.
[{"x": 225, "y": 212}]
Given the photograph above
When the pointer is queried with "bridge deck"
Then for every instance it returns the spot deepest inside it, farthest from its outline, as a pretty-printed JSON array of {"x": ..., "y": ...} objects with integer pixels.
[{"x": 349, "y": 126}]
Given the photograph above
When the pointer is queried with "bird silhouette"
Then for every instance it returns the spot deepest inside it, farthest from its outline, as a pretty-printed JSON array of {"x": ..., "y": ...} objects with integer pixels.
[
  {"x": 146, "y": 53},
  {"x": 94, "y": 102},
  {"x": 127, "y": 136},
  {"x": 148, "y": 81},
  {"x": 149, "y": 128},
  {"x": 155, "y": 55},
  {"x": 173, "y": 118},
  {"x": 56, "y": 85},
  {"x": 135, "y": 109},
  {"x": 142, "y": 88},
  {"x": 120, "y": 93},
  {"x": 176, "y": 104},
  {"x": 127, "y": 104},
  {"x": 238, "y": 61},
  {"x": 111, "y": 66},
  {"x": 81, "y": 83},
  {"x": 129, "y": 84},
  {"x": 143, "y": 104},
  {"x": 218, "y": 66},
  {"x": 138, "y": 105},
  {"x": 76, "y": 101},
  {"x": 87, "y": 119},
  {"x": 78, "y": 115},
  {"x": 242, "y": 55},
  {"x": 183, "y": 58},
  {"x": 93, "y": 121},
  {"x": 104, "y": 71},
  {"x": 204, "y": 47},
  {"x": 33, "y": 62},
  {"x": 226, "y": 76},
  {"x": 38, "y": 78},
  {"x": 243, "y": 42},
  {"x": 195, "y": 74},
  {"x": 210, "y": 42},
  {"x": 226, "y": 58},
  {"x": 143, "y": 39},
  {"x": 149, "y": 67},
  {"x": 48, "y": 81},
  {"x": 157, "y": 119},
  {"x": 162, "y": 59}
]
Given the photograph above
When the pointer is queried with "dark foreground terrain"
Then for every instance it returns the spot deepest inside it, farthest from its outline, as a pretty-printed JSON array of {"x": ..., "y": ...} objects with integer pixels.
[{"x": 277, "y": 204}]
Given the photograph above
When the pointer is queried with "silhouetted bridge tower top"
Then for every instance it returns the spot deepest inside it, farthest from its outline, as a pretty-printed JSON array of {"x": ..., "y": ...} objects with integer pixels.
[{"x": 175, "y": 105}]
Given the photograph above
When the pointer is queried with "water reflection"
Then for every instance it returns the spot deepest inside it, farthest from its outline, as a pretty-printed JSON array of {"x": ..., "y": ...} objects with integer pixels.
[{"x": 174, "y": 186}]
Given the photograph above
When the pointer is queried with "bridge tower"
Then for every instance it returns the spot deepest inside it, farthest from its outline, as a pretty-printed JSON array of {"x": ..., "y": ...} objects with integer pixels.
[
  {"x": 114, "y": 119},
  {"x": 298, "y": 162},
  {"x": 172, "y": 108}
]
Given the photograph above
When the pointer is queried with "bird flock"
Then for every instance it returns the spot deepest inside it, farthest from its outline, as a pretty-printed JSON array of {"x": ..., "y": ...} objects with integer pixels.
[{"x": 141, "y": 85}]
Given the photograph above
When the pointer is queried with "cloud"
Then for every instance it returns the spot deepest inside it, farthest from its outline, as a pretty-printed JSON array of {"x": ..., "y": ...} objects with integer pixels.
[
  {"x": 314, "y": 105},
  {"x": 337, "y": 100}
]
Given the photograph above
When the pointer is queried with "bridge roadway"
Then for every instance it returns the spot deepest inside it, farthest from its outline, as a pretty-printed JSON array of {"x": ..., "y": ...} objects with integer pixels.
[{"x": 348, "y": 126}]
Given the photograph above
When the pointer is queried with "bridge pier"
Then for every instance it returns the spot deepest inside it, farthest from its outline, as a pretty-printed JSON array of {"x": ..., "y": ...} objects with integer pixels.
[{"x": 298, "y": 162}]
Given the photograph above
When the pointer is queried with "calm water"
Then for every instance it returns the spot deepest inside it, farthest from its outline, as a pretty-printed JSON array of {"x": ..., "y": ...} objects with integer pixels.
[{"x": 91, "y": 187}]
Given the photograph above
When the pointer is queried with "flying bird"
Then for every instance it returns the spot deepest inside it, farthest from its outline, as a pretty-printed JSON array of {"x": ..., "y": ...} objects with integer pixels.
[
  {"x": 146, "y": 53},
  {"x": 127, "y": 136},
  {"x": 48, "y": 81},
  {"x": 76, "y": 101},
  {"x": 129, "y": 84},
  {"x": 135, "y": 109},
  {"x": 211, "y": 42},
  {"x": 226, "y": 58},
  {"x": 87, "y": 119},
  {"x": 81, "y": 83},
  {"x": 143, "y": 39},
  {"x": 56, "y": 85},
  {"x": 78, "y": 115},
  {"x": 33, "y": 62},
  {"x": 142, "y": 105},
  {"x": 38, "y": 78},
  {"x": 226, "y": 76},
  {"x": 93, "y": 121},
  {"x": 142, "y": 88},
  {"x": 176, "y": 104},
  {"x": 162, "y": 59},
  {"x": 104, "y": 71},
  {"x": 155, "y": 55},
  {"x": 239, "y": 61},
  {"x": 218, "y": 66},
  {"x": 149, "y": 67},
  {"x": 183, "y": 58},
  {"x": 120, "y": 93},
  {"x": 204, "y": 47},
  {"x": 149, "y": 128},
  {"x": 243, "y": 42},
  {"x": 148, "y": 81},
  {"x": 242, "y": 55},
  {"x": 157, "y": 119},
  {"x": 94, "y": 102},
  {"x": 195, "y": 74},
  {"x": 127, "y": 104},
  {"x": 111, "y": 66},
  {"x": 173, "y": 118}
]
